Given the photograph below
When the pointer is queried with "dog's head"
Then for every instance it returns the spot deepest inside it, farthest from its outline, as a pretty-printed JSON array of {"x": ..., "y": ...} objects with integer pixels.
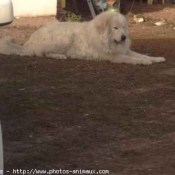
[{"x": 113, "y": 25}]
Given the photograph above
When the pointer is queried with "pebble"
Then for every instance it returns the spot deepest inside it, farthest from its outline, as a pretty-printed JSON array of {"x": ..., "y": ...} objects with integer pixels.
[{"x": 160, "y": 23}]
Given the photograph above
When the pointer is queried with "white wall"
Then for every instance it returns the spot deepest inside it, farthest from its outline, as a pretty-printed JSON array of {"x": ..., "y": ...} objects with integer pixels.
[{"x": 29, "y": 8}]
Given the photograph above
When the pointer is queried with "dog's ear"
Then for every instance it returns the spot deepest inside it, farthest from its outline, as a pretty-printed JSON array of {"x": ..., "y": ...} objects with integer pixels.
[{"x": 102, "y": 21}]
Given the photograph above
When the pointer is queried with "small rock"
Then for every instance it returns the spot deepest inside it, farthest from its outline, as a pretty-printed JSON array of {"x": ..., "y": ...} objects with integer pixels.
[
  {"x": 22, "y": 89},
  {"x": 160, "y": 23},
  {"x": 138, "y": 19},
  {"x": 30, "y": 136},
  {"x": 86, "y": 115},
  {"x": 17, "y": 17}
]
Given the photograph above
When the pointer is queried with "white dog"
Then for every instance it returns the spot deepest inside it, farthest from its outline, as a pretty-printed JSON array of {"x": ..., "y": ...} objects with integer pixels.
[{"x": 103, "y": 38}]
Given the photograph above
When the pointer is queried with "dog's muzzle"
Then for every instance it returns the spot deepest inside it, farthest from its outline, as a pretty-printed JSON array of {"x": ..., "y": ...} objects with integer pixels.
[{"x": 123, "y": 38}]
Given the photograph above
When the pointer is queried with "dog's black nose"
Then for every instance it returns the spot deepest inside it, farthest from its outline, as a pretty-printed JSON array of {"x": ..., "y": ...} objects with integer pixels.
[{"x": 123, "y": 38}]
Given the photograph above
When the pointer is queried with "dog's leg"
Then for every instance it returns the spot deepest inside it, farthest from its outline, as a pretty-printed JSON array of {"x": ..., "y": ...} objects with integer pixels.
[
  {"x": 55, "y": 56},
  {"x": 130, "y": 60},
  {"x": 141, "y": 56}
]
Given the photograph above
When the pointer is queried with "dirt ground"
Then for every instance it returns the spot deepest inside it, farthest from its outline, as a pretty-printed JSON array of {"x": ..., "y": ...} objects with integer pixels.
[{"x": 72, "y": 114}]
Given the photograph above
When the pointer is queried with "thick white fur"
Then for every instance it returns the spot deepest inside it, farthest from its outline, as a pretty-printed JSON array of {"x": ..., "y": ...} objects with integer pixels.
[{"x": 99, "y": 39}]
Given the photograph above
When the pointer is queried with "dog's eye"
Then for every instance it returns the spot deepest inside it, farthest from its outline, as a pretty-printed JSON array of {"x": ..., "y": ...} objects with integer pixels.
[{"x": 116, "y": 28}]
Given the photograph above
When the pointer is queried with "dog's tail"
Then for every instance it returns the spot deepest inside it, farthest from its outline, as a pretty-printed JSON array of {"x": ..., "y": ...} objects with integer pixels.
[{"x": 8, "y": 47}]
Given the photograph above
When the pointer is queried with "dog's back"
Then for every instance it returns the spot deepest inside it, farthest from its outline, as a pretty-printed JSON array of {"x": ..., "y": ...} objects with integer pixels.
[{"x": 54, "y": 37}]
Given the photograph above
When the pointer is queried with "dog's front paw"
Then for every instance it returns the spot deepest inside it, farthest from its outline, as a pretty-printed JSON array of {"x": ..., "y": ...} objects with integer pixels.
[
  {"x": 158, "y": 59},
  {"x": 161, "y": 59},
  {"x": 144, "y": 62}
]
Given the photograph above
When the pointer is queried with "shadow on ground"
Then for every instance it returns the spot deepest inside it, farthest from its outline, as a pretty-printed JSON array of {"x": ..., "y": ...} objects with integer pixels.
[{"x": 73, "y": 114}]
